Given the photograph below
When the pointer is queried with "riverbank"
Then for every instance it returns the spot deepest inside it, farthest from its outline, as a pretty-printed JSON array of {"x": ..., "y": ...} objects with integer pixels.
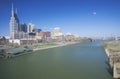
[
  {"x": 35, "y": 49},
  {"x": 14, "y": 52},
  {"x": 55, "y": 45},
  {"x": 112, "y": 49}
]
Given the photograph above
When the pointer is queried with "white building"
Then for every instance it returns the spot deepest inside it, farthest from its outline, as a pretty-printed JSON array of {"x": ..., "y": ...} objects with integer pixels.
[
  {"x": 57, "y": 34},
  {"x": 30, "y": 28},
  {"x": 14, "y": 25},
  {"x": 17, "y": 41}
]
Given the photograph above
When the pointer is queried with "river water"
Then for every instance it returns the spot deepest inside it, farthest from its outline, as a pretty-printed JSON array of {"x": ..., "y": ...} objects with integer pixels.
[{"x": 79, "y": 61}]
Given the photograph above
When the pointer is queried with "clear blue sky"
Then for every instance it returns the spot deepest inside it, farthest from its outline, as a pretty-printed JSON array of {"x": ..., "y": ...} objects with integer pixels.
[{"x": 83, "y": 17}]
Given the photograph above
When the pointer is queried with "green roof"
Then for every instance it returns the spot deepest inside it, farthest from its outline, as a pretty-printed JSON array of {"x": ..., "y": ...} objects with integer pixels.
[{"x": 18, "y": 50}]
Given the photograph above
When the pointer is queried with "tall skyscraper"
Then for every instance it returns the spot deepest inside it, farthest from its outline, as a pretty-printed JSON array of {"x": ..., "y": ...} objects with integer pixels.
[
  {"x": 23, "y": 27},
  {"x": 14, "y": 25},
  {"x": 31, "y": 27}
]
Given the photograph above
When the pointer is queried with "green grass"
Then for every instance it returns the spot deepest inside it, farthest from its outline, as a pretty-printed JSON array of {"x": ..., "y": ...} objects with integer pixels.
[
  {"x": 113, "y": 46},
  {"x": 45, "y": 45}
]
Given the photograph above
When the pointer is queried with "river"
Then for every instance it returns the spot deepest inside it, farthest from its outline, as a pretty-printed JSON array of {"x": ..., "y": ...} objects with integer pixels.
[{"x": 79, "y": 61}]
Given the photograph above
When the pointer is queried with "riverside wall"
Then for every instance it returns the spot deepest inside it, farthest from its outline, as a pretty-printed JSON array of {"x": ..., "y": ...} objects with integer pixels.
[{"x": 114, "y": 62}]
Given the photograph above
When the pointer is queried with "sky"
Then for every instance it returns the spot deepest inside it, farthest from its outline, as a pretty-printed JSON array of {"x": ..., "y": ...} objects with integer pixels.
[{"x": 88, "y": 18}]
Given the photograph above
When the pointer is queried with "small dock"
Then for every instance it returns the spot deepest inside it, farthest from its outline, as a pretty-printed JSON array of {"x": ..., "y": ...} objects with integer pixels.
[{"x": 12, "y": 52}]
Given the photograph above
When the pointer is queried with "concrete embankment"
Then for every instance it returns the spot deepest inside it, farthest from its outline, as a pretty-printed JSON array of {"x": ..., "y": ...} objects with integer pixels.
[
  {"x": 107, "y": 52},
  {"x": 114, "y": 62}
]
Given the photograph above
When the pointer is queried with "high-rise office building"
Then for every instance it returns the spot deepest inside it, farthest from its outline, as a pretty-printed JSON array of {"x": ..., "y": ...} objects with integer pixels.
[
  {"x": 30, "y": 28},
  {"x": 14, "y": 25},
  {"x": 23, "y": 27},
  {"x": 38, "y": 30}
]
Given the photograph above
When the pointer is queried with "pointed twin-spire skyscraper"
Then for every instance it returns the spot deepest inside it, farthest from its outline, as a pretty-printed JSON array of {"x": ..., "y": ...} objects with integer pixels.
[
  {"x": 19, "y": 31},
  {"x": 14, "y": 25}
]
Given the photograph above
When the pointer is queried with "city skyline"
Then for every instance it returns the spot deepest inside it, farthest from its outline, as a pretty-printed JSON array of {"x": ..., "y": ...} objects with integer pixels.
[{"x": 84, "y": 17}]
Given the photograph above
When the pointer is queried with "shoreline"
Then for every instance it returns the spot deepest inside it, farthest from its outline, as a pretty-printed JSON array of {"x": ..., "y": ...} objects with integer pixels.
[
  {"x": 59, "y": 45},
  {"x": 113, "y": 64},
  {"x": 36, "y": 49},
  {"x": 106, "y": 52},
  {"x": 7, "y": 55}
]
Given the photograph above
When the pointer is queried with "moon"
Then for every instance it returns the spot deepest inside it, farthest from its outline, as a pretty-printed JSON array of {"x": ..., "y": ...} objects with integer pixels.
[{"x": 94, "y": 13}]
